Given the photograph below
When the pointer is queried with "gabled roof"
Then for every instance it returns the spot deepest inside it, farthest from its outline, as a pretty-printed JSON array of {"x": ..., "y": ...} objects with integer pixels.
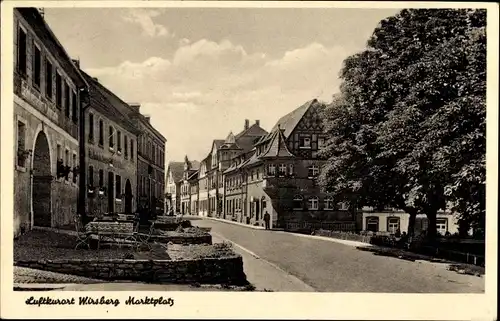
[
  {"x": 218, "y": 143},
  {"x": 177, "y": 169},
  {"x": 277, "y": 146},
  {"x": 108, "y": 104},
  {"x": 195, "y": 165},
  {"x": 288, "y": 122},
  {"x": 254, "y": 130}
]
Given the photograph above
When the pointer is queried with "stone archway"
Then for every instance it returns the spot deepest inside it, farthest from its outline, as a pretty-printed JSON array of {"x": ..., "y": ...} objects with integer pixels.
[
  {"x": 128, "y": 197},
  {"x": 42, "y": 182}
]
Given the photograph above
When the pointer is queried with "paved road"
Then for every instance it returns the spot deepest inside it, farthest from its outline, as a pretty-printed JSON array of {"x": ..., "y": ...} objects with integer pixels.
[{"x": 332, "y": 267}]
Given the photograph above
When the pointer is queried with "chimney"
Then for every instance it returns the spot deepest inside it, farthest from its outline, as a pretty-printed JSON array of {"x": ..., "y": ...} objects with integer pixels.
[
  {"x": 247, "y": 124},
  {"x": 257, "y": 122},
  {"x": 76, "y": 62},
  {"x": 135, "y": 105},
  {"x": 95, "y": 79},
  {"x": 148, "y": 118}
]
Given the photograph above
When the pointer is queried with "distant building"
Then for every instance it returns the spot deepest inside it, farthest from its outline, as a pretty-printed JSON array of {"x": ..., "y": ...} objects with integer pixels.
[
  {"x": 280, "y": 175},
  {"x": 190, "y": 169},
  {"x": 110, "y": 157},
  {"x": 203, "y": 185},
  {"x": 150, "y": 164},
  {"x": 48, "y": 88},
  {"x": 390, "y": 220},
  {"x": 175, "y": 171}
]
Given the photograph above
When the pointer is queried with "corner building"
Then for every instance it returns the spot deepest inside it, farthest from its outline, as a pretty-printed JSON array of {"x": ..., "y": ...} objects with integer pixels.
[{"x": 47, "y": 92}]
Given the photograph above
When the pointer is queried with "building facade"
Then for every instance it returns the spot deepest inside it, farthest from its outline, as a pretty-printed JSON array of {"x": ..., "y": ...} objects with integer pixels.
[
  {"x": 110, "y": 157},
  {"x": 150, "y": 165},
  {"x": 203, "y": 186},
  {"x": 190, "y": 174},
  {"x": 47, "y": 92},
  {"x": 279, "y": 175},
  {"x": 174, "y": 177}
]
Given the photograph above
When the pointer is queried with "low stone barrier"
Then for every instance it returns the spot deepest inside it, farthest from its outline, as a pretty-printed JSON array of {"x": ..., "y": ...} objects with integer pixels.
[
  {"x": 183, "y": 239},
  {"x": 227, "y": 270}
]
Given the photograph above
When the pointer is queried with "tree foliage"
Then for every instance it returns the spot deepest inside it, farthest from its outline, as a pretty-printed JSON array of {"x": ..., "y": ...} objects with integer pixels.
[{"x": 408, "y": 129}]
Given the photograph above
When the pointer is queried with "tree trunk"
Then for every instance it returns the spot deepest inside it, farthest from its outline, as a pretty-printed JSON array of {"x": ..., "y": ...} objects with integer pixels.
[
  {"x": 463, "y": 228},
  {"x": 432, "y": 228},
  {"x": 411, "y": 221}
]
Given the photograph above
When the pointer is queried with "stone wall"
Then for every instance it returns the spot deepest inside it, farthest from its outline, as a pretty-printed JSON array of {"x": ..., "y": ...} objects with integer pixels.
[
  {"x": 227, "y": 270},
  {"x": 184, "y": 239}
]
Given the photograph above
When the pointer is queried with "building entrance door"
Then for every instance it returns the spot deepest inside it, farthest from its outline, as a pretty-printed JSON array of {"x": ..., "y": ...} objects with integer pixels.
[
  {"x": 111, "y": 194},
  {"x": 42, "y": 183}
]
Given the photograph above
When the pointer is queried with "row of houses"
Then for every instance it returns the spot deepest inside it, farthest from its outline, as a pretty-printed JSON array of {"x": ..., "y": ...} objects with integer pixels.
[
  {"x": 255, "y": 172},
  {"x": 79, "y": 147}
]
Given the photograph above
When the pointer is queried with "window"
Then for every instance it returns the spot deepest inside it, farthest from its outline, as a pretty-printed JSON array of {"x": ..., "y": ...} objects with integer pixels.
[
  {"x": 313, "y": 171},
  {"x": 313, "y": 203},
  {"x": 297, "y": 202},
  {"x": 101, "y": 178},
  {"x": 321, "y": 143},
  {"x": 66, "y": 160},
  {"x": 392, "y": 224},
  {"x": 282, "y": 169},
  {"x": 132, "y": 149},
  {"x": 91, "y": 128},
  {"x": 75, "y": 107},
  {"x": 119, "y": 139},
  {"x": 372, "y": 224},
  {"x": 48, "y": 79},
  {"x": 37, "y": 67},
  {"x": 111, "y": 137},
  {"x": 21, "y": 143},
  {"x": 271, "y": 170},
  {"x": 343, "y": 206},
  {"x": 59, "y": 91},
  {"x": 67, "y": 100},
  {"x": 118, "y": 180},
  {"x": 329, "y": 203},
  {"x": 441, "y": 226},
  {"x": 101, "y": 132},
  {"x": 91, "y": 176},
  {"x": 74, "y": 165},
  {"x": 305, "y": 142},
  {"x": 290, "y": 169},
  {"x": 22, "y": 52},
  {"x": 59, "y": 152},
  {"x": 125, "y": 145}
]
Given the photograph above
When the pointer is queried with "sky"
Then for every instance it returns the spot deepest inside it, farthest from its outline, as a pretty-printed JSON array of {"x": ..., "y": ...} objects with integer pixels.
[{"x": 200, "y": 72}]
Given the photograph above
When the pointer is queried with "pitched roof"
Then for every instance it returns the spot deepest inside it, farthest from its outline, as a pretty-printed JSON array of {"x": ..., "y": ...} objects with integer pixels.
[
  {"x": 254, "y": 130},
  {"x": 218, "y": 143},
  {"x": 108, "y": 103},
  {"x": 193, "y": 175},
  {"x": 195, "y": 165},
  {"x": 288, "y": 122},
  {"x": 177, "y": 169},
  {"x": 277, "y": 146}
]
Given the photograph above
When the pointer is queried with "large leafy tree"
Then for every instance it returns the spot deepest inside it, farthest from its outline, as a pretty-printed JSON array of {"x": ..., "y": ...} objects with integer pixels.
[{"x": 408, "y": 129}]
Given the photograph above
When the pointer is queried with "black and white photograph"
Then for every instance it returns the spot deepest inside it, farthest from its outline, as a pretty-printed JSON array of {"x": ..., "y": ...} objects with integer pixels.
[{"x": 155, "y": 150}]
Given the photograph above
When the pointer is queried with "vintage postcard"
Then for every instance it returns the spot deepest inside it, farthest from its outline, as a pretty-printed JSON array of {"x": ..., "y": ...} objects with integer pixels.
[{"x": 249, "y": 159}]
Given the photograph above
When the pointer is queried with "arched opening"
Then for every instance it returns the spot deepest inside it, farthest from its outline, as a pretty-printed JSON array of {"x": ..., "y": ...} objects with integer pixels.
[
  {"x": 128, "y": 197},
  {"x": 42, "y": 182}
]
